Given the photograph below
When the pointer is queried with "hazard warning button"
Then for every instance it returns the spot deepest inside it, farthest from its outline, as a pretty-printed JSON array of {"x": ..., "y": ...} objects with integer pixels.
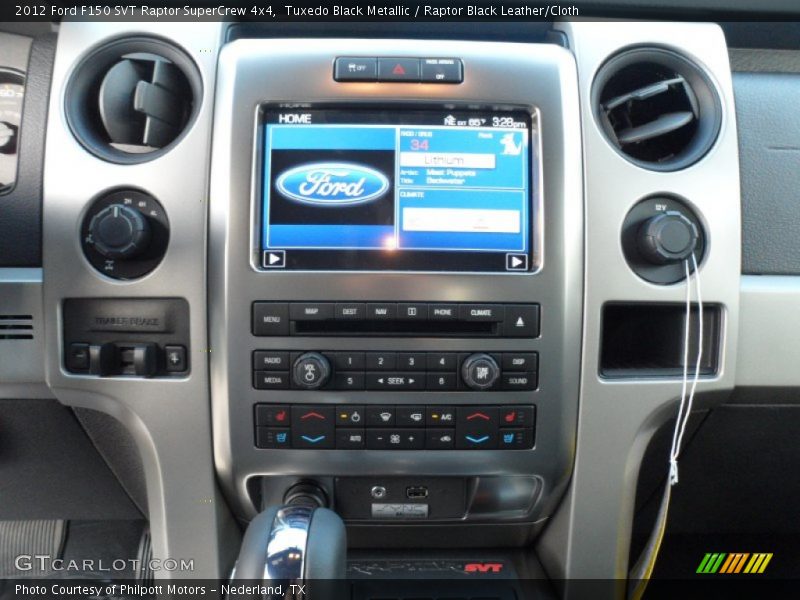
[{"x": 398, "y": 69}]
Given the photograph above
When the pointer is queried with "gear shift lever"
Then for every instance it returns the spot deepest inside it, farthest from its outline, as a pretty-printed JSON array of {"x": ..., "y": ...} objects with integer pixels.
[{"x": 293, "y": 545}]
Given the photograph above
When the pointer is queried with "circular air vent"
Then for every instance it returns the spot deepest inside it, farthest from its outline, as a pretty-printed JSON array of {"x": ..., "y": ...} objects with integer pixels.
[
  {"x": 132, "y": 99},
  {"x": 658, "y": 109}
]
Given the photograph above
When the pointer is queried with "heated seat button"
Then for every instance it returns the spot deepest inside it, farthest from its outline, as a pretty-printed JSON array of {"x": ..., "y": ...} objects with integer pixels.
[
  {"x": 519, "y": 381},
  {"x": 410, "y": 416},
  {"x": 516, "y": 416},
  {"x": 266, "y": 360},
  {"x": 515, "y": 439},
  {"x": 271, "y": 380},
  {"x": 78, "y": 357},
  {"x": 380, "y": 416},
  {"x": 359, "y": 68},
  {"x": 350, "y": 416},
  {"x": 473, "y": 416},
  {"x": 440, "y": 439},
  {"x": 350, "y": 439},
  {"x": 273, "y": 437},
  {"x": 398, "y": 69},
  {"x": 270, "y": 415}
]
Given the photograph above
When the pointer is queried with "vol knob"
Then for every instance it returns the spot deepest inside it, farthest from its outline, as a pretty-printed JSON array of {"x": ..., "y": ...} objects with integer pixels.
[
  {"x": 667, "y": 238},
  {"x": 480, "y": 371},
  {"x": 311, "y": 371},
  {"x": 119, "y": 231}
]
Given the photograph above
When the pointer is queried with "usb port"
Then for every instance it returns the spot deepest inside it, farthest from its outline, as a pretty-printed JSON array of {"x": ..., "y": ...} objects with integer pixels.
[{"x": 416, "y": 491}]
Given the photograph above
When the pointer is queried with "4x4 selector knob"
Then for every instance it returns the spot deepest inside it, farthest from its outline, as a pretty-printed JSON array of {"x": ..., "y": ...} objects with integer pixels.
[
  {"x": 119, "y": 231},
  {"x": 480, "y": 371},
  {"x": 311, "y": 371}
]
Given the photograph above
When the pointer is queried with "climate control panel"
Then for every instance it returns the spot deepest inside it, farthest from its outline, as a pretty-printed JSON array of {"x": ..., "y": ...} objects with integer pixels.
[
  {"x": 395, "y": 371},
  {"x": 394, "y": 427}
]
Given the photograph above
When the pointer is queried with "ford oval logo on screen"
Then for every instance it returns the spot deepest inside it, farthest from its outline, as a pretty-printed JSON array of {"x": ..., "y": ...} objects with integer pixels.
[{"x": 332, "y": 184}]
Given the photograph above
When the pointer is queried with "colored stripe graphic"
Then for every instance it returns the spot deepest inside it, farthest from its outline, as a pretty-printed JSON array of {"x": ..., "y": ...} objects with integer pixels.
[
  {"x": 758, "y": 562},
  {"x": 733, "y": 563}
]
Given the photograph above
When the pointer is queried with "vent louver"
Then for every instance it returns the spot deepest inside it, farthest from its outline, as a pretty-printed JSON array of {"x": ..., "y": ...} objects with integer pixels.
[
  {"x": 132, "y": 99},
  {"x": 656, "y": 108},
  {"x": 16, "y": 327}
]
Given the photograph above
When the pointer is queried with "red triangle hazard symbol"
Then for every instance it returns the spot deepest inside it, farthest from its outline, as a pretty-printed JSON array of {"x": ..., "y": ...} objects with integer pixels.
[{"x": 398, "y": 70}]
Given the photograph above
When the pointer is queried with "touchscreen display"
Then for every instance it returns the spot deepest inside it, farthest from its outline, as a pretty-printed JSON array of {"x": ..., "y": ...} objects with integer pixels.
[{"x": 403, "y": 190}]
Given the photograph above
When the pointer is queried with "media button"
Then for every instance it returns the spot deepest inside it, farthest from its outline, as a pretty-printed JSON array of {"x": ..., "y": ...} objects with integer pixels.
[
  {"x": 440, "y": 439},
  {"x": 481, "y": 312},
  {"x": 274, "y": 259},
  {"x": 516, "y": 262},
  {"x": 350, "y": 439},
  {"x": 412, "y": 312},
  {"x": 443, "y": 312},
  {"x": 311, "y": 311},
  {"x": 352, "y": 311},
  {"x": 267, "y": 360},
  {"x": 380, "y": 416},
  {"x": 410, "y": 416},
  {"x": 271, "y": 380},
  {"x": 270, "y": 318},
  {"x": 385, "y": 311}
]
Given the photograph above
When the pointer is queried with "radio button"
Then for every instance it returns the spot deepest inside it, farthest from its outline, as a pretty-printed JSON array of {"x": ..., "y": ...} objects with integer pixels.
[
  {"x": 395, "y": 381},
  {"x": 442, "y": 361},
  {"x": 311, "y": 311},
  {"x": 350, "y": 439},
  {"x": 355, "y": 69},
  {"x": 381, "y": 311},
  {"x": 380, "y": 416},
  {"x": 271, "y": 380},
  {"x": 441, "y": 382},
  {"x": 519, "y": 381},
  {"x": 443, "y": 312},
  {"x": 348, "y": 361},
  {"x": 381, "y": 361},
  {"x": 522, "y": 320},
  {"x": 270, "y": 361},
  {"x": 520, "y": 361},
  {"x": 440, "y": 439},
  {"x": 353, "y": 311},
  {"x": 412, "y": 312},
  {"x": 441, "y": 416},
  {"x": 410, "y": 416},
  {"x": 411, "y": 361},
  {"x": 481, "y": 312},
  {"x": 344, "y": 380},
  {"x": 270, "y": 318}
]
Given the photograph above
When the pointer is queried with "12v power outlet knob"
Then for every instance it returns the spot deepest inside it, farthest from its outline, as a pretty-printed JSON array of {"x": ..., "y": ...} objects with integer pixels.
[
  {"x": 668, "y": 237},
  {"x": 119, "y": 231}
]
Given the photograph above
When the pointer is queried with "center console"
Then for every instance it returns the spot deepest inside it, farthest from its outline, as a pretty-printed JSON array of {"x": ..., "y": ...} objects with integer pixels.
[{"x": 395, "y": 278}]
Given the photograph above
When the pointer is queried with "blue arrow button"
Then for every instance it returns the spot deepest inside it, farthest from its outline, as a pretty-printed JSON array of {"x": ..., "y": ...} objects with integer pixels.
[
  {"x": 477, "y": 440},
  {"x": 314, "y": 440}
]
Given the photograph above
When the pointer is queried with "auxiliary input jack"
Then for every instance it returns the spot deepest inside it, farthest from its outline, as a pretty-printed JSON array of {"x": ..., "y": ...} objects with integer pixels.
[{"x": 415, "y": 492}]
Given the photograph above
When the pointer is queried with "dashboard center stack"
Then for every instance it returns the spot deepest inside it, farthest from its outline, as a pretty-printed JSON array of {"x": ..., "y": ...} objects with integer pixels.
[{"x": 411, "y": 282}]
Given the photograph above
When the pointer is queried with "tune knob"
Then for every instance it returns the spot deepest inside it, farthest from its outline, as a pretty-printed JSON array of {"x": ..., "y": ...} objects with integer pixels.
[
  {"x": 667, "y": 238},
  {"x": 480, "y": 371},
  {"x": 119, "y": 231},
  {"x": 311, "y": 371}
]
